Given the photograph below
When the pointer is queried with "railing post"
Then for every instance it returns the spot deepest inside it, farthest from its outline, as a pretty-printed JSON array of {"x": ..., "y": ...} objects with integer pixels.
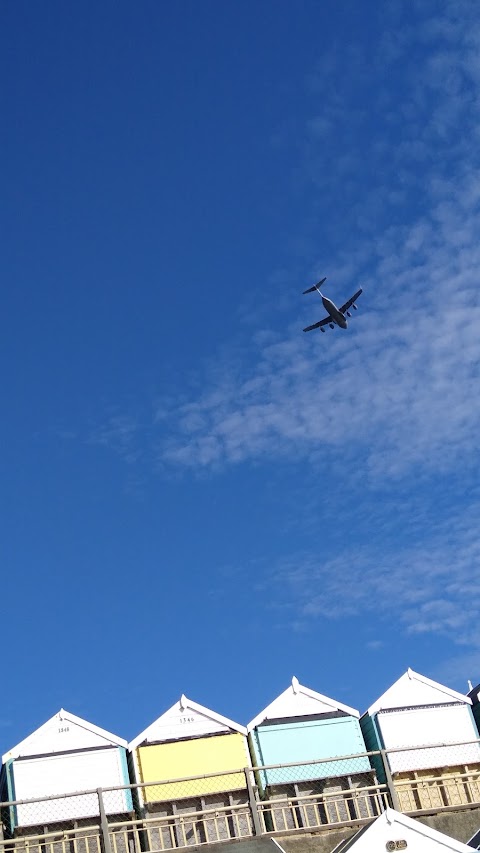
[
  {"x": 389, "y": 779},
  {"x": 257, "y": 826},
  {"x": 103, "y": 823}
]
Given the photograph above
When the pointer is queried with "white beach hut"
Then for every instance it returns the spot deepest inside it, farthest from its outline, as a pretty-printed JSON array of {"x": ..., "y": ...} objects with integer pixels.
[
  {"x": 66, "y": 754},
  {"x": 431, "y": 741}
]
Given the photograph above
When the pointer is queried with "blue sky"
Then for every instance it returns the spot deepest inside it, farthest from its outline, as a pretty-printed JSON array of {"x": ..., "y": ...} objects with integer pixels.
[{"x": 197, "y": 497}]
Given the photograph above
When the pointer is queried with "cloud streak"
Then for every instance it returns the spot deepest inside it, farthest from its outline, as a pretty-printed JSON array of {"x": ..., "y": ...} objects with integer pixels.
[
  {"x": 396, "y": 398},
  {"x": 425, "y": 588},
  {"x": 401, "y": 387},
  {"x": 399, "y": 390}
]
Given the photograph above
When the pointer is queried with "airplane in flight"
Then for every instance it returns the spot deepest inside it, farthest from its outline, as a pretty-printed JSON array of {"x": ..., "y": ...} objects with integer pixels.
[{"x": 336, "y": 316}]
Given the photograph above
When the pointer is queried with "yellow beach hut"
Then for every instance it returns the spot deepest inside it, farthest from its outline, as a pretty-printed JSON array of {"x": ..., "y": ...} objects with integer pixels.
[{"x": 190, "y": 767}]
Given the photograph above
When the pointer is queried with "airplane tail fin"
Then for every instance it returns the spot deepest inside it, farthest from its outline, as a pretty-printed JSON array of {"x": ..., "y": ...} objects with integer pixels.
[{"x": 315, "y": 286}]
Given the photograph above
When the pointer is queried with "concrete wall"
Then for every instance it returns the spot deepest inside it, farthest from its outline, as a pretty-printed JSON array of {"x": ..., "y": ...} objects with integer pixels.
[
  {"x": 324, "y": 842},
  {"x": 460, "y": 825}
]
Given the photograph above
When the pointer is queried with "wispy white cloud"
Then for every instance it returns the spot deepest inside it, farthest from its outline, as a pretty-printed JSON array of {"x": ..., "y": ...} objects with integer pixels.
[
  {"x": 117, "y": 433},
  {"x": 375, "y": 645},
  {"x": 425, "y": 588},
  {"x": 400, "y": 387},
  {"x": 396, "y": 398},
  {"x": 399, "y": 390}
]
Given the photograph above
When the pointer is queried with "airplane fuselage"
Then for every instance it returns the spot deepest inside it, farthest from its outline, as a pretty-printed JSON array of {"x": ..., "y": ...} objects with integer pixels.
[{"x": 335, "y": 314}]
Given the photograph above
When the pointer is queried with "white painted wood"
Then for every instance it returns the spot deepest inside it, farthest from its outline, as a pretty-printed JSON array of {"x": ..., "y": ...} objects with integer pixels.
[
  {"x": 415, "y": 689},
  {"x": 63, "y": 732},
  {"x": 185, "y": 719},
  {"x": 299, "y": 701},
  {"x": 419, "y": 726},
  {"x": 394, "y": 826},
  {"x": 61, "y": 774}
]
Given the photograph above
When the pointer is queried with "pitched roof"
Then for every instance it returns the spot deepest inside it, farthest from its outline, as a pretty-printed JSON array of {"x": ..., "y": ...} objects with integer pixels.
[
  {"x": 185, "y": 719},
  {"x": 414, "y": 689},
  {"x": 474, "y": 694},
  {"x": 394, "y": 826},
  {"x": 63, "y": 732},
  {"x": 474, "y": 841},
  {"x": 299, "y": 701}
]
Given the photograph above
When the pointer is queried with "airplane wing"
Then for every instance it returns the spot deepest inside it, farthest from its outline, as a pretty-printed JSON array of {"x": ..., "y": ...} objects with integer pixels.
[
  {"x": 323, "y": 322},
  {"x": 350, "y": 301}
]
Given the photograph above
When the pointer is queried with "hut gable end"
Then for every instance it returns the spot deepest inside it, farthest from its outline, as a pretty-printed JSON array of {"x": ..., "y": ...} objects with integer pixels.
[
  {"x": 63, "y": 733},
  {"x": 183, "y": 721},
  {"x": 298, "y": 701},
  {"x": 414, "y": 690}
]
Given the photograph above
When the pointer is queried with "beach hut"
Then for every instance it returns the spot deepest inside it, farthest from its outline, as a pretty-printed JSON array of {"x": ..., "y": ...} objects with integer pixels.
[
  {"x": 429, "y": 733},
  {"x": 66, "y": 754},
  {"x": 298, "y": 732},
  {"x": 188, "y": 741},
  {"x": 393, "y": 831}
]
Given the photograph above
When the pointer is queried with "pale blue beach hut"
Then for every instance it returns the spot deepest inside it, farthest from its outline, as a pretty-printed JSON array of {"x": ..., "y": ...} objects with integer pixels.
[{"x": 296, "y": 734}]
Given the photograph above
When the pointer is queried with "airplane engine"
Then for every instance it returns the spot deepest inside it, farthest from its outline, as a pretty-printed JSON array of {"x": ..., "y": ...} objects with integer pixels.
[
  {"x": 354, "y": 306},
  {"x": 348, "y": 314},
  {"x": 332, "y": 325},
  {"x": 322, "y": 329}
]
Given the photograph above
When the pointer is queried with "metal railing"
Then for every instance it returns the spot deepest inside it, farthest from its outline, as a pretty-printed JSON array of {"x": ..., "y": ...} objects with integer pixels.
[
  {"x": 197, "y": 810},
  {"x": 312, "y": 811}
]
